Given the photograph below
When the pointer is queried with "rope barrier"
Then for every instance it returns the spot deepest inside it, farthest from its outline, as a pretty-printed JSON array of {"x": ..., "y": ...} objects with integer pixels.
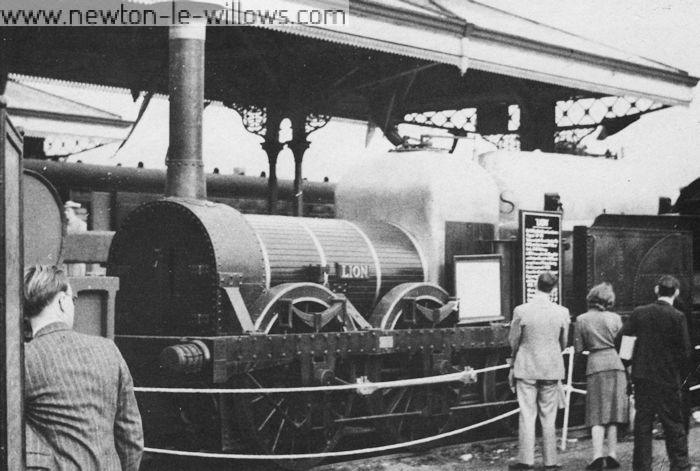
[
  {"x": 333, "y": 453},
  {"x": 364, "y": 387},
  {"x": 367, "y": 387}
]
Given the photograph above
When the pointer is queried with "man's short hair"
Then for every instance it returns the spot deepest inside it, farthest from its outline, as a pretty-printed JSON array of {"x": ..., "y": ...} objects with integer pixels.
[
  {"x": 546, "y": 282},
  {"x": 41, "y": 285},
  {"x": 667, "y": 285}
]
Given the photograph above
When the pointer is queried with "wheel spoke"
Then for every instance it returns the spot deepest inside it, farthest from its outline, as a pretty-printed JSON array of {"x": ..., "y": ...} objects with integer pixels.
[
  {"x": 267, "y": 419},
  {"x": 279, "y": 432}
]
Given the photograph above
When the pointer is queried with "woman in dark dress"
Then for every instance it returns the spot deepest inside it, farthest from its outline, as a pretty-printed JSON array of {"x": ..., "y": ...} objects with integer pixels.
[{"x": 606, "y": 398}]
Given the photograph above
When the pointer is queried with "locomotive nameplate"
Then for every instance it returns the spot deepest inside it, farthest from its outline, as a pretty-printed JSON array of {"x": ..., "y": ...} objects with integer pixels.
[{"x": 352, "y": 271}]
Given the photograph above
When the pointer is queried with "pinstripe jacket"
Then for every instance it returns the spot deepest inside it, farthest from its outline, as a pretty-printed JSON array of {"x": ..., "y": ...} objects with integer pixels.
[{"x": 79, "y": 396}]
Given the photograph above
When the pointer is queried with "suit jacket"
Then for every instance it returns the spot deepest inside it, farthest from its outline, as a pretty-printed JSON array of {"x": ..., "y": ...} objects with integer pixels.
[
  {"x": 79, "y": 397},
  {"x": 662, "y": 349},
  {"x": 40, "y": 456},
  {"x": 538, "y": 333}
]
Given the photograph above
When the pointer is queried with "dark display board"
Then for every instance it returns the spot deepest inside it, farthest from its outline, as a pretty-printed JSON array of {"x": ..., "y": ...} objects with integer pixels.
[
  {"x": 540, "y": 242},
  {"x": 11, "y": 371}
]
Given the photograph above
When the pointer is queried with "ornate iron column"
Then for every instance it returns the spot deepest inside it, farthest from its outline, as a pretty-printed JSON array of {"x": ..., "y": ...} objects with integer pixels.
[
  {"x": 298, "y": 145},
  {"x": 272, "y": 147},
  {"x": 302, "y": 125},
  {"x": 265, "y": 122}
]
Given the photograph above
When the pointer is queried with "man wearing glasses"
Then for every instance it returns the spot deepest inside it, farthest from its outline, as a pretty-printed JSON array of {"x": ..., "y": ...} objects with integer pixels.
[{"x": 79, "y": 396}]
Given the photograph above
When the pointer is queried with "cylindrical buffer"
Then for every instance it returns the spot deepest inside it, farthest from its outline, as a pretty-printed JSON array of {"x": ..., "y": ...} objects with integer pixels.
[
  {"x": 185, "y": 175},
  {"x": 185, "y": 358}
]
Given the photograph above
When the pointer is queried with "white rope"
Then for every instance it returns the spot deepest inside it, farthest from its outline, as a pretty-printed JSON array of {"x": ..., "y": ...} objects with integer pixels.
[
  {"x": 568, "y": 390},
  {"x": 394, "y": 446},
  {"x": 366, "y": 387}
]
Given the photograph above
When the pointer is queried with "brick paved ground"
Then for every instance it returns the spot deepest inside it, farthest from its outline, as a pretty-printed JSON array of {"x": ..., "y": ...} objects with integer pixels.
[{"x": 495, "y": 455}]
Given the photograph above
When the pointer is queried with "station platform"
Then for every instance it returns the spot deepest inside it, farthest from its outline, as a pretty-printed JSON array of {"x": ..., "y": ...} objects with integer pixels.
[{"x": 495, "y": 455}]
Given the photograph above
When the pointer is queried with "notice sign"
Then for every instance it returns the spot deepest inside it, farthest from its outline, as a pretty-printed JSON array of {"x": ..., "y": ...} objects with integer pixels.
[{"x": 540, "y": 239}]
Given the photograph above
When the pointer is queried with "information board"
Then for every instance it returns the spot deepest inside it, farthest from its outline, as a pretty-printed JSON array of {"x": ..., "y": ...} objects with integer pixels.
[
  {"x": 540, "y": 242},
  {"x": 478, "y": 287}
]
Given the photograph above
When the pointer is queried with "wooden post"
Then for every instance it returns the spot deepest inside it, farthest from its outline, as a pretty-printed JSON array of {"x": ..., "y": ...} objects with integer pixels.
[{"x": 11, "y": 276}]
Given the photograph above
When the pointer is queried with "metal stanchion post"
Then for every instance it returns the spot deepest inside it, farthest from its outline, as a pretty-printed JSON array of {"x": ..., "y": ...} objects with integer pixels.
[{"x": 569, "y": 378}]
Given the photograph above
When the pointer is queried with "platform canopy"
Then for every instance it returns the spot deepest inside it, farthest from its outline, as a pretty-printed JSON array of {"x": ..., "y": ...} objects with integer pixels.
[
  {"x": 395, "y": 57},
  {"x": 44, "y": 115},
  {"x": 471, "y": 35}
]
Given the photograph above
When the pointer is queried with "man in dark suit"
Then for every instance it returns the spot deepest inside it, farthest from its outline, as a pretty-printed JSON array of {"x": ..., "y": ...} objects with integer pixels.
[
  {"x": 661, "y": 354},
  {"x": 538, "y": 334},
  {"x": 79, "y": 393}
]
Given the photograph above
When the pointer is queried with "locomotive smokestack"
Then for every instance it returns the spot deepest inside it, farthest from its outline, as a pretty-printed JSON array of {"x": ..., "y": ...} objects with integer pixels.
[{"x": 185, "y": 175}]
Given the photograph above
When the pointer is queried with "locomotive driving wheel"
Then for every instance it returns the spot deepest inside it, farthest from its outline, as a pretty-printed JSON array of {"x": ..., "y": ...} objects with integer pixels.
[
  {"x": 296, "y": 422},
  {"x": 414, "y": 412}
]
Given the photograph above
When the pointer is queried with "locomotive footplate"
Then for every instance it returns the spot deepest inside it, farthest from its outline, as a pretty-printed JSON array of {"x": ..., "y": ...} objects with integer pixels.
[{"x": 223, "y": 358}]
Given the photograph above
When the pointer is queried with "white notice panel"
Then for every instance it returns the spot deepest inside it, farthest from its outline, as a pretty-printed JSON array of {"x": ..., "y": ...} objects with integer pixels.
[{"x": 478, "y": 287}]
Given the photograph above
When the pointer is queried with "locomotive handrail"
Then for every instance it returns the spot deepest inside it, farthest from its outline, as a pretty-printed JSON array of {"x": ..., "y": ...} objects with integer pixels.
[{"x": 364, "y": 387}]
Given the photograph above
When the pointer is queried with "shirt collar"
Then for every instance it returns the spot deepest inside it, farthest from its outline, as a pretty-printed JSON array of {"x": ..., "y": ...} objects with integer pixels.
[
  {"x": 50, "y": 328},
  {"x": 666, "y": 299},
  {"x": 540, "y": 296}
]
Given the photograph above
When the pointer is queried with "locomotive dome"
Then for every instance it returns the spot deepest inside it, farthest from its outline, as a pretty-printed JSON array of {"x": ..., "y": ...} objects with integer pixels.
[{"x": 419, "y": 191}]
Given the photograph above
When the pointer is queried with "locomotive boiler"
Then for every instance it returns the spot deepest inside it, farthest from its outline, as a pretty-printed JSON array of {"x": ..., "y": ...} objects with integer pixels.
[{"x": 211, "y": 298}]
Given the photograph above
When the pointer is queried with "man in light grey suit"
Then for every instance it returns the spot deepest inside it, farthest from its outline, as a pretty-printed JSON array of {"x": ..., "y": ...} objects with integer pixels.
[
  {"x": 538, "y": 334},
  {"x": 79, "y": 396}
]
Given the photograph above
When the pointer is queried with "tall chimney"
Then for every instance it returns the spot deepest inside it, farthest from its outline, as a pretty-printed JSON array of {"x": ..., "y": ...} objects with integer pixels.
[{"x": 185, "y": 175}]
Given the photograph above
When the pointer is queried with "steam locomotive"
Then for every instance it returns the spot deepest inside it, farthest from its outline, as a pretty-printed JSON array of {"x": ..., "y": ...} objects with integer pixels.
[{"x": 212, "y": 298}]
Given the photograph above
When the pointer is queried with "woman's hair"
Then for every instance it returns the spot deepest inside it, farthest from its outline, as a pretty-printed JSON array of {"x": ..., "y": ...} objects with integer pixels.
[
  {"x": 601, "y": 297},
  {"x": 41, "y": 285}
]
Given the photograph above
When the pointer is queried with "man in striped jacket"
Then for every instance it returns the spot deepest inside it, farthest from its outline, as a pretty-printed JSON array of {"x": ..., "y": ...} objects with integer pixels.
[{"x": 79, "y": 393}]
